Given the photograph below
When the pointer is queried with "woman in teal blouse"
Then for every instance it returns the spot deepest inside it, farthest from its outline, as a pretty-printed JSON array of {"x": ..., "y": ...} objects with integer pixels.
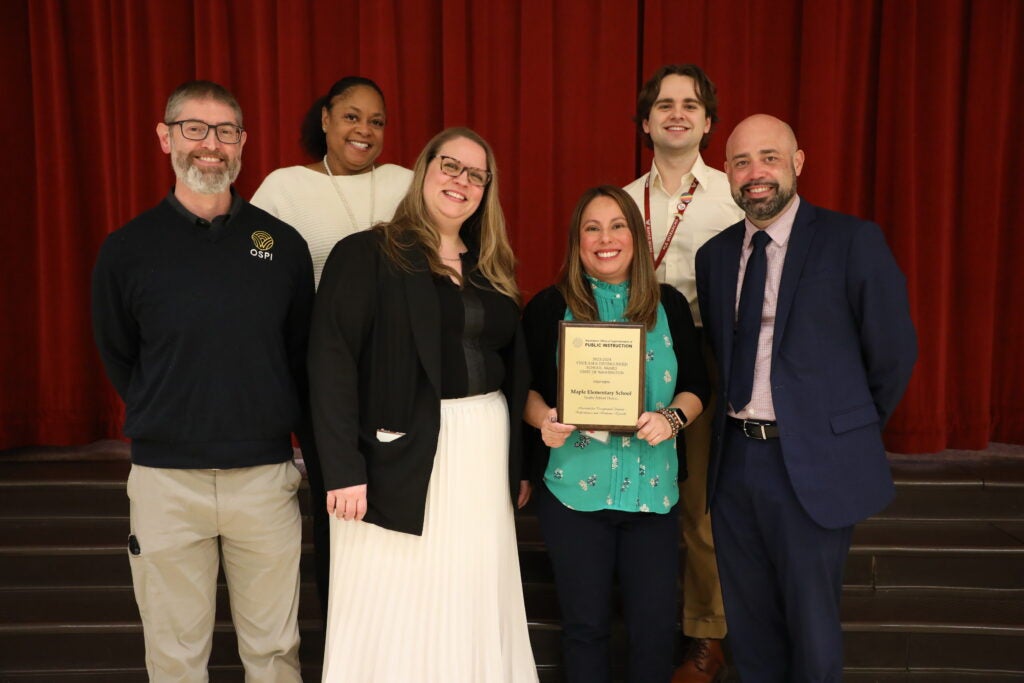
[{"x": 606, "y": 502}]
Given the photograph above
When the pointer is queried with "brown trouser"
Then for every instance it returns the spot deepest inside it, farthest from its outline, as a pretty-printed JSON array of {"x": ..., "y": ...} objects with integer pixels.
[
  {"x": 703, "y": 613},
  {"x": 184, "y": 521}
]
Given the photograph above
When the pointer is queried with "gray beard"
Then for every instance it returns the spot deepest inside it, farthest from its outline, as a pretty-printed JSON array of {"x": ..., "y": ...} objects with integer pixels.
[{"x": 205, "y": 182}]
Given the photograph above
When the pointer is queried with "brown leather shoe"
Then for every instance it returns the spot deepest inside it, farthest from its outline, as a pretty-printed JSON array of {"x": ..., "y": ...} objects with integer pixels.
[{"x": 704, "y": 663}]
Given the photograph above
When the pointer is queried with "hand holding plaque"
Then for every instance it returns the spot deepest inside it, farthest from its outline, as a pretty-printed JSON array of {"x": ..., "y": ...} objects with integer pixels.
[{"x": 601, "y": 375}]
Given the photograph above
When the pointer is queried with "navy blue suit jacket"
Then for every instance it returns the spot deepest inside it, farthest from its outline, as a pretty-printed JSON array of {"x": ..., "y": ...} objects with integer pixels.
[{"x": 843, "y": 350}]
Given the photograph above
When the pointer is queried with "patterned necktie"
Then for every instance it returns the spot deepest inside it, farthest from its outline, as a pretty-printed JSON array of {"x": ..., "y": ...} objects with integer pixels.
[{"x": 748, "y": 324}]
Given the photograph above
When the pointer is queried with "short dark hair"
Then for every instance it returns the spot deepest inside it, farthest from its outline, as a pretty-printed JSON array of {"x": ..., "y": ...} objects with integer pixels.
[
  {"x": 200, "y": 90},
  {"x": 702, "y": 85},
  {"x": 312, "y": 136}
]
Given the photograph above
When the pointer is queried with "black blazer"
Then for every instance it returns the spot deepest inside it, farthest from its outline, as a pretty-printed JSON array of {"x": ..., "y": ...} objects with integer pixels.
[{"x": 375, "y": 363}]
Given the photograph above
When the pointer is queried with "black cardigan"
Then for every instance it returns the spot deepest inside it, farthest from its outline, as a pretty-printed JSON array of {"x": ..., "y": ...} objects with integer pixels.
[
  {"x": 375, "y": 363},
  {"x": 540, "y": 325}
]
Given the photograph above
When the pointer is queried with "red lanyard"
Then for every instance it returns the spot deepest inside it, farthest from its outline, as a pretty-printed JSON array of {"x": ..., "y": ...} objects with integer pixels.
[{"x": 684, "y": 201}]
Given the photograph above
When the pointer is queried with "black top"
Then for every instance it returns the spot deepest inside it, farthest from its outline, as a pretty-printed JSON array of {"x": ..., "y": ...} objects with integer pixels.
[
  {"x": 540, "y": 326},
  {"x": 202, "y": 327},
  {"x": 476, "y": 324}
]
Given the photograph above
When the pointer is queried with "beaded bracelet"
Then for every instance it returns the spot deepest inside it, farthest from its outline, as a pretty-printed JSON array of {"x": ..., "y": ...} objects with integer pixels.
[{"x": 673, "y": 420}]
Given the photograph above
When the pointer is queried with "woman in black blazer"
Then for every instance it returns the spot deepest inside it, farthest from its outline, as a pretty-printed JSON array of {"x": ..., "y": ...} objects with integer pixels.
[{"x": 417, "y": 369}]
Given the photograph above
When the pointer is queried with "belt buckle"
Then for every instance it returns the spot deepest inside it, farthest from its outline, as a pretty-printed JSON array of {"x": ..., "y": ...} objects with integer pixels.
[{"x": 759, "y": 432}]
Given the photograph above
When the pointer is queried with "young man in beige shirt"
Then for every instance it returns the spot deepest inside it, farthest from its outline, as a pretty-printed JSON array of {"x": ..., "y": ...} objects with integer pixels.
[{"x": 685, "y": 203}]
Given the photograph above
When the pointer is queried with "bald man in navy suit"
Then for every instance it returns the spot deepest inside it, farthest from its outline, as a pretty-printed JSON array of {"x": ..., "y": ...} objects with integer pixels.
[{"x": 812, "y": 363}]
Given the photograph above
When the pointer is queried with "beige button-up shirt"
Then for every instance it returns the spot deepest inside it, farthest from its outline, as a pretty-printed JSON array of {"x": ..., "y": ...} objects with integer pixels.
[{"x": 711, "y": 211}]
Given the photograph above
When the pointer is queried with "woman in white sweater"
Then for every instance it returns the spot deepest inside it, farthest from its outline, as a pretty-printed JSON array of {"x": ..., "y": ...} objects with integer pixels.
[
  {"x": 340, "y": 193},
  {"x": 343, "y": 191}
]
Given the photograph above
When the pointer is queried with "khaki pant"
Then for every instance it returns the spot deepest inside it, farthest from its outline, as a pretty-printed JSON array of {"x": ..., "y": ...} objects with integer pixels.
[
  {"x": 703, "y": 612},
  {"x": 184, "y": 521}
]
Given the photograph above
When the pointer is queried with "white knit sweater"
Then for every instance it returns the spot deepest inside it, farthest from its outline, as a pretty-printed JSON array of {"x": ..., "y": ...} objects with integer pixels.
[{"x": 305, "y": 200}]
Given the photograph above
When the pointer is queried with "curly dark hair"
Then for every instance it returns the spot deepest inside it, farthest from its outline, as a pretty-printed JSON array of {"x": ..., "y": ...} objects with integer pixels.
[{"x": 312, "y": 136}]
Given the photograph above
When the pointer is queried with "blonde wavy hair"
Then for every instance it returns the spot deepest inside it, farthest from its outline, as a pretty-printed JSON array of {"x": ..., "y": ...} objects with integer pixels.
[
  {"x": 644, "y": 292},
  {"x": 413, "y": 228}
]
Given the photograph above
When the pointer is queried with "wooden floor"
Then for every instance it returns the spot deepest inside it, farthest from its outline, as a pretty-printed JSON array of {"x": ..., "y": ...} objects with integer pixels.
[{"x": 934, "y": 587}]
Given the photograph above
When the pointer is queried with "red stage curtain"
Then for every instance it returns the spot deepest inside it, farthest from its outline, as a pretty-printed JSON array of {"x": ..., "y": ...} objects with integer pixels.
[
  {"x": 903, "y": 108},
  {"x": 904, "y": 111}
]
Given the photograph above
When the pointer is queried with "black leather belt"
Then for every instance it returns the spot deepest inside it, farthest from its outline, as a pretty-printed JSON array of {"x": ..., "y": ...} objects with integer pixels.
[{"x": 756, "y": 429}]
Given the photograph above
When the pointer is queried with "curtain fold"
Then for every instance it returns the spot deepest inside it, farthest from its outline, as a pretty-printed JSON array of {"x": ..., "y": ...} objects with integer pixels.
[
  {"x": 20, "y": 301},
  {"x": 992, "y": 160},
  {"x": 904, "y": 108}
]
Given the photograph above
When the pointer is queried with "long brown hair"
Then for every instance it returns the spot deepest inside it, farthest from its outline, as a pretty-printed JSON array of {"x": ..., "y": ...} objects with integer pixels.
[
  {"x": 644, "y": 294},
  {"x": 412, "y": 227}
]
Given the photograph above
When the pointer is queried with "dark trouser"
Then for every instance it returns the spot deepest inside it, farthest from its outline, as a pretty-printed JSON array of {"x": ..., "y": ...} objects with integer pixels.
[
  {"x": 782, "y": 573},
  {"x": 318, "y": 511},
  {"x": 587, "y": 550}
]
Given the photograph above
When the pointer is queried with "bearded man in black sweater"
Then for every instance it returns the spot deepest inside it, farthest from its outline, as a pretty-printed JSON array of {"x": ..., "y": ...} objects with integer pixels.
[{"x": 201, "y": 314}]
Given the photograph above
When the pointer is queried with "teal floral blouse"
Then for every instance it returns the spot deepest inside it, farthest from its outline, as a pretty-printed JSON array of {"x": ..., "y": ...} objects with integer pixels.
[{"x": 624, "y": 473}]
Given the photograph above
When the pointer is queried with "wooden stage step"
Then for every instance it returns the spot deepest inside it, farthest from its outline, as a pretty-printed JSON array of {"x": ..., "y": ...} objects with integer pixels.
[{"x": 934, "y": 587}]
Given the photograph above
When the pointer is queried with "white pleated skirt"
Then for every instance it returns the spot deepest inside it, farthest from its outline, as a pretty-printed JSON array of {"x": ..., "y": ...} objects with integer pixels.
[{"x": 447, "y": 606}]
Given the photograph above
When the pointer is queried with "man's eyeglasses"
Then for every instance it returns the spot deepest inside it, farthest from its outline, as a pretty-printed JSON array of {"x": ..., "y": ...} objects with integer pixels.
[
  {"x": 453, "y": 167},
  {"x": 228, "y": 133}
]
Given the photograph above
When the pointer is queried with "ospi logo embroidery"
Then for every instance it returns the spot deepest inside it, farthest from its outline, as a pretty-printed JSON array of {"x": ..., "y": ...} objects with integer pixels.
[{"x": 262, "y": 242}]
